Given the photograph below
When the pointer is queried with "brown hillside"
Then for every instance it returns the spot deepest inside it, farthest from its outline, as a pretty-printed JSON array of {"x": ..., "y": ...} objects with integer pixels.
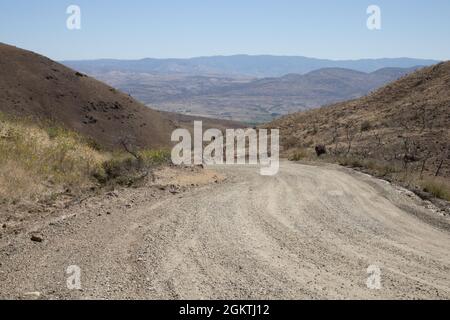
[
  {"x": 32, "y": 85},
  {"x": 405, "y": 124}
]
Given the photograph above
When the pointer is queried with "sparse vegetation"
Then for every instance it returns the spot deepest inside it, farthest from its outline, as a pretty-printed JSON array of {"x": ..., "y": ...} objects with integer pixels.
[
  {"x": 401, "y": 137},
  {"x": 128, "y": 169},
  {"x": 439, "y": 188},
  {"x": 298, "y": 155},
  {"x": 39, "y": 160}
]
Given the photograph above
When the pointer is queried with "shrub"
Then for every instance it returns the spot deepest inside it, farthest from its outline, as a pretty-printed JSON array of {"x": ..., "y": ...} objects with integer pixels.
[
  {"x": 126, "y": 169},
  {"x": 366, "y": 126},
  {"x": 320, "y": 150}
]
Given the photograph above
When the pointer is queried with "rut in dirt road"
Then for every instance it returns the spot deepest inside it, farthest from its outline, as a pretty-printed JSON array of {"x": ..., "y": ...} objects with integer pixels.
[{"x": 308, "y": 232}]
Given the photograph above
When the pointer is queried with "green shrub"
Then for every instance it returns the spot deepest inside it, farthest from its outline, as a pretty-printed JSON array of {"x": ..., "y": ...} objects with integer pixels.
[
  {"x": 125, "y": 169},
  {"x": 154, "y": 157}
]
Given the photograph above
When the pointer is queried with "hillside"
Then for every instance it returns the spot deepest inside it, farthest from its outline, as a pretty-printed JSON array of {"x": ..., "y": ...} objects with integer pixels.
[
  {"x": 32, "y": 85},
  {"x": 403, "y": 128}
]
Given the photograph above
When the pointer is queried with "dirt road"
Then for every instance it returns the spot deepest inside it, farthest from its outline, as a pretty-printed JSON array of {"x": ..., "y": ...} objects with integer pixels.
[{"x": 309, "y": 232}]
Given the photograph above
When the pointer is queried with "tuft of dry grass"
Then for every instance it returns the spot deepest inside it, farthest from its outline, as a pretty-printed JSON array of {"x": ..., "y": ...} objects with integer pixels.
[
  {"x": 438, "y": 187},
  {"x": 299, "y": 154}
]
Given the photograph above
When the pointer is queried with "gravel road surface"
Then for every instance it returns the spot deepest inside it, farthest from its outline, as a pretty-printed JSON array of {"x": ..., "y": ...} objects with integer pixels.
[{"x": 308, "y": 232}]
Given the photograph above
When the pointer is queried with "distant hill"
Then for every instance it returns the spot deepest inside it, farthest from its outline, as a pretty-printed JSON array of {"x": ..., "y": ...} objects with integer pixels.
[
  {"x": 401, "y": 128},
  {"x": 313, "y": 89},
  {"x": 239, "y": 65},
  {"x": 33, "y": 85},
  {"x": 250, "y": 100}
]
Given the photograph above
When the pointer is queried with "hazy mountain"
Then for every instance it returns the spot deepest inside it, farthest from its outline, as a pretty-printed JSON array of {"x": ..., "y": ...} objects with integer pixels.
[
  {"x": 250, "y": 100},
  {"x": 254, "y": 66}
]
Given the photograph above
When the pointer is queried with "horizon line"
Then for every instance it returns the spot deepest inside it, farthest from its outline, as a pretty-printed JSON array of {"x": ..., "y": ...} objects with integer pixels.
[{"x": 253, "y": 55}]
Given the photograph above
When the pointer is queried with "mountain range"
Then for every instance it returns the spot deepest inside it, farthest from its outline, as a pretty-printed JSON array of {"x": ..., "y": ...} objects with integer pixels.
[
  {"x": 252, "y": 100},
  {"x": 258, "y": 66}
]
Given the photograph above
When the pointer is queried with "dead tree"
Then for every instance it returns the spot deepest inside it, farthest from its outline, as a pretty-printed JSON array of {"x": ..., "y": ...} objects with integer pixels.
[
  {"x": 127, "y": 146},
  {"x": 409, "y": 153},
  {"x": 445, "y": 156},
  {"x": 350, "y": 134},
  {"x": 335, "y": 139},
  {"x": 424, "y": 161}
]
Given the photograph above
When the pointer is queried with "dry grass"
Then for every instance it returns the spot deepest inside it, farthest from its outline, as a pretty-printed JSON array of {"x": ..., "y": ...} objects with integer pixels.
[
  {"x": 439, "y": 188},
  {"x": 299, "y": 154},
  {"x": 38, "y": 160}
]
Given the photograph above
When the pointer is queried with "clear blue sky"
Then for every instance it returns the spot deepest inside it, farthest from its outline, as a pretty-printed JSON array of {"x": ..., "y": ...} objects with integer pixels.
[{"x": 133, "y": 29}]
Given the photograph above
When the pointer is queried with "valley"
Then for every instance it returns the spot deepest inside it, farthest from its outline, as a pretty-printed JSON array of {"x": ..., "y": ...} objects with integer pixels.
[{"x": 246, "y": 97}]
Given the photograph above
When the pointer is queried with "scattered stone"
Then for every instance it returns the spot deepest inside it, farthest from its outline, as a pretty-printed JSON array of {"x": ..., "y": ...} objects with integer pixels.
[
  {"x": 113, "y": 193},
  {"x": 108, "y": 212},
  {"x": 36, "y": 238},
  {"x": 34, "y": 294}
]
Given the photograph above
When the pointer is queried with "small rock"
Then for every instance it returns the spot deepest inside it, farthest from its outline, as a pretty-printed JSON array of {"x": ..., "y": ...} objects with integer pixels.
[
  {"x": 36, "y": 238},
  {"x": 4, "y": 226},
  {"x": 108, "y": 212},
  {"x": 34, "y": 294},
  {"x": 113, "y": 193}
]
